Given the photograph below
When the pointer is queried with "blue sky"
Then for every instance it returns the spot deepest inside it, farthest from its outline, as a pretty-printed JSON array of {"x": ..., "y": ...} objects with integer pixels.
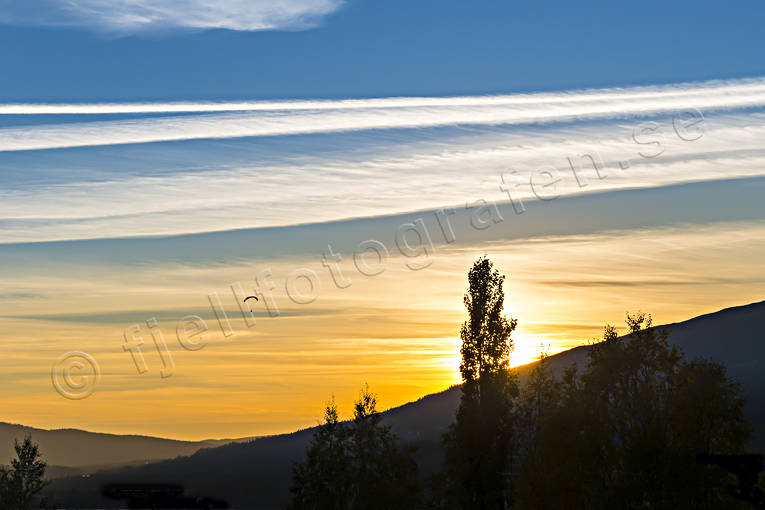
[{"x": 367, "y": 48}]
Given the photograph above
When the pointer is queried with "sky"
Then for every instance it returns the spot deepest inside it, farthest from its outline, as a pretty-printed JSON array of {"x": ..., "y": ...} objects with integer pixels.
[{"x": 348, "y": 161}]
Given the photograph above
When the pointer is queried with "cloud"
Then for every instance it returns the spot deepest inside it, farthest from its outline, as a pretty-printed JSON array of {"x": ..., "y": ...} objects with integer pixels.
[
  {"x": 734, "y": 93},
  {"x": 136, "y": 15},
  {"x": 329, "y": 187},
  {"x": 101, "y": 187},
  {"x": 277, "y": 119}
]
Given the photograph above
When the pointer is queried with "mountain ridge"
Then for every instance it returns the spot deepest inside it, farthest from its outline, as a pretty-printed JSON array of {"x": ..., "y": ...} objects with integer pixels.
[{"x": 99, "y": 449}]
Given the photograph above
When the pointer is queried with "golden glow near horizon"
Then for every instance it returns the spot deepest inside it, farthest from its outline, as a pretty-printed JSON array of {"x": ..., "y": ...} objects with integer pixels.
[{"x": 397, "y": 331}]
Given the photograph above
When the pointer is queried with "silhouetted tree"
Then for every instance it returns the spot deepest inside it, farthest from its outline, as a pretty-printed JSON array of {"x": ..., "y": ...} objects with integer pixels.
[
  {"x": 478, "y": 443},
  {"x": 538, "y": 398},
  {"x": 5, "y": 489},
  {"x": 385, "y": 474},
  {"x": 20, "y": 485},
  {"x": 322, "y": 481},
  {"x": 356, "y": 465},
  {"x": 625, "y": 433}
]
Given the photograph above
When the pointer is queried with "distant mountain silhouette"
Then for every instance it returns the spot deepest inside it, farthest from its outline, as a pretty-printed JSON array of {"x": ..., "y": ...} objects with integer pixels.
[
  {"x": 256, "y": 474},
  {"x": 72, "y": 451}
]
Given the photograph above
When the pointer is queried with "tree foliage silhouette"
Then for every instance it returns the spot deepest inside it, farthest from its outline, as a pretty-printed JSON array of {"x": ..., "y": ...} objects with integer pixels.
[
  {"x": 539, "y": 396},
  {"x": 20, "y": 485},
  {"x": 625, "y": 432},
  {"x": 478, "y": 443},
  {"x": 320, "y": 482},
  {"x": 356, "y": 465},
  {"x": 6, "y": 496}
]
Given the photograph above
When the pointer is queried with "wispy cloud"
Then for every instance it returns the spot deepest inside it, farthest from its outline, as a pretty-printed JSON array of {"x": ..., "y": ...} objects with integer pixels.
[
  {"x": 738, "y": 93},
  {"x": 136, "y": 15},
  {"x": 242, "y": 191},
  {"x": 187, "y": 174},
  {"x": 277, "y": 119}
]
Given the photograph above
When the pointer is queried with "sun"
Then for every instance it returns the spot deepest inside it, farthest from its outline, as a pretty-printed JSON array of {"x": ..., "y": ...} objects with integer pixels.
[{"x": 526, "y": 349}]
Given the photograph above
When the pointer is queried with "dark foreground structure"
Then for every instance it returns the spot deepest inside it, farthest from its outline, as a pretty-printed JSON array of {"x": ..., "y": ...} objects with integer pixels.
[
  {"x": 747, "y": 468},
  {"x": 157, "y": 496}
]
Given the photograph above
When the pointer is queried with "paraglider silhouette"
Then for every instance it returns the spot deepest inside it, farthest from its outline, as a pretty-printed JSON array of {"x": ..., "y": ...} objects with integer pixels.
[{"x": 251, "y": 297}]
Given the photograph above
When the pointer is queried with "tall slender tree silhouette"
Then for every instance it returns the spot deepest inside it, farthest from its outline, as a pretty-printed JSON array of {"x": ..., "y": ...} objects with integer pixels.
[{"x": 479, "y": 443}]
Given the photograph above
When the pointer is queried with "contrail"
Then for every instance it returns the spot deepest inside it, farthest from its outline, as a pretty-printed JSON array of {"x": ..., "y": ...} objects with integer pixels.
[
  {"x": 737, "y": 87},
  {"x": 237, "y": 120}
]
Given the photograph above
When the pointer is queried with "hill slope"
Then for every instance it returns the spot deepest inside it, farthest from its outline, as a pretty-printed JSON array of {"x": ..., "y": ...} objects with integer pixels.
[{"x": 257, "y": 474}]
